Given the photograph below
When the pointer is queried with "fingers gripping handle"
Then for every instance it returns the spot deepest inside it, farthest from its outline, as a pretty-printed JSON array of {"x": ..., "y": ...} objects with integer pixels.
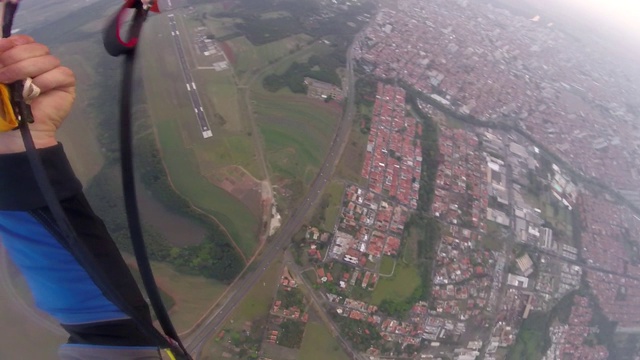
[
  {"x": 113, "y": 38},
  {"x": 13, "y": 107}
]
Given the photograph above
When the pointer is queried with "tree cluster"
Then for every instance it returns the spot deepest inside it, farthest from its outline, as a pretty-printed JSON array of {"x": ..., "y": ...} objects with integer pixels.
[
  {"x": 319, "y": 216},
  {"x": 318, "y": 67},
  {"x": 430, "y": 156},
  {"x": 291, "y": 298},
  {"x": 291, "y": 334},
  {"x": 361, "y": 334},
  {"x": 304, "y": 16},
  {"x": 366, "y": 90}
]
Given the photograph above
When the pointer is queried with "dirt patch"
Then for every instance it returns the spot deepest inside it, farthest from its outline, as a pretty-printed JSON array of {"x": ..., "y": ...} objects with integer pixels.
[
  {"x": 238, "y": 182},
  {"x": 228, "y": 52}
]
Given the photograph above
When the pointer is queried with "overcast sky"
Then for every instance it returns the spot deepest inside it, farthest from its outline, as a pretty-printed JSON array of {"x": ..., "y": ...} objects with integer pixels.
[
  {"x": 624, "y": 12},
  {"x": 620, "y": 15}
]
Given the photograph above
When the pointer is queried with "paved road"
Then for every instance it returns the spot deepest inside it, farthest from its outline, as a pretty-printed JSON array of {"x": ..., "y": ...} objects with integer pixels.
[
  {"x": 191, "y": 85},
  {"x": 195, "y": 341}
]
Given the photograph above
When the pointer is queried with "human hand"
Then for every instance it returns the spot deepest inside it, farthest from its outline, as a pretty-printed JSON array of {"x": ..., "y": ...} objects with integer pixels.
[{"x": 22, "y": 57}]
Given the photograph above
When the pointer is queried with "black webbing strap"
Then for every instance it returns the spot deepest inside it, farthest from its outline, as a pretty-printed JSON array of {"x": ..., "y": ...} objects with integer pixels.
[
  {"x": 131, "y": 205},
  {"x": 117, "y": 45}
]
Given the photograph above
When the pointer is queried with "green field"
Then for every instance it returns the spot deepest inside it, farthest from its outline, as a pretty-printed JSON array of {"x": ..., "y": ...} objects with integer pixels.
[
  {"x": 386, "y": 266},
  {"x": 254, "y": 307},
  {"x": 335, "y": 190},
  {"x": 258, "y": 301},
  {"x": 219, "y": 27},
  {"x": 179, "y": 137},
  {"x": 527, "y": 346},
  {"x": 399, "y": 286},
  {"x": 350, "y": 165},
  {"x": 413, "y": 234},
  {"x": 296, "y": 132},
  {"x": 184, "y": 172},
  {"x": 188, "y": 305},
  {"x": 229, "y": 150},
  {"x": 301, "y": 56},
  {"x": 275, "y": 15},
  {"x": 561, "y": 220},
  {"x": 219, "y": 89},
  {"x": 251, "y": 58},
  {"x": 319, "y": 344}
]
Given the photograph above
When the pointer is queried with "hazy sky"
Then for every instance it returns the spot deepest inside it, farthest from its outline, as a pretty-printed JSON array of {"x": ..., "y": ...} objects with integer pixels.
[{"x": 621, "y": 15}]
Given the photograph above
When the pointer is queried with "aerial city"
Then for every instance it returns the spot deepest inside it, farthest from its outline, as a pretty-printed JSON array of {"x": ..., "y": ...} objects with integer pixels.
[{"x": 366, "y": 179}]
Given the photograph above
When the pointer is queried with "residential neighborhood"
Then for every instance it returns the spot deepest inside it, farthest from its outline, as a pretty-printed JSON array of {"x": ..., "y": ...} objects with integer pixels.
[
  {"x": 488, "y": 63},
  {"x": 507, "y": 249}
]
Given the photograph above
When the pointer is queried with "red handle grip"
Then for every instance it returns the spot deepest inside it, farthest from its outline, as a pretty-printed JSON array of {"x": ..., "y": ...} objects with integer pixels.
[{"x": 112, "y": 38}]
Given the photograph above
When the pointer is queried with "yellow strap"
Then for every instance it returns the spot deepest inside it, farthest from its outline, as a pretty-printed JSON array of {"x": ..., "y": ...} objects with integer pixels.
[
  {"x": 8, "y": 119},
  {"x": 171, "y": 356}
]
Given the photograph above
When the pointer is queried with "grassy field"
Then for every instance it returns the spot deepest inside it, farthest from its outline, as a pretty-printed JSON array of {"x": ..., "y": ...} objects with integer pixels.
[
  {"x": 386, "y": 266},
  {"x": 251, "y": 58},
  {"x": 410, "y": 241},
  {"x": 189, "y": 305},
  {"x": 219, "y": 88},
  {"x": 296, "y": 132},
  {"x": 258, "y": 301},
  {"x": 219, "y": 27},
  {"x": 319, "y": 344},
  {"x": 229, "y": 150},
  {"x": 399, "y": 286},
  {"x": 254, "y": 307},
  {"x": 350, "y": 165},
  {"x": 186, "y": 177},
  {"x": 561, "y": 220},
  {"x": 301, "y": 56},
  {"x": 275, "y": 15},
  {"x": 331, "y": 213},
  {"x": 180, "y": 137},
  {"x": 527, "y": 347}
]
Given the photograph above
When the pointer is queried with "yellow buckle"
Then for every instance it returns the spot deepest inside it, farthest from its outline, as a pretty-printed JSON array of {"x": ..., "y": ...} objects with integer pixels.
[{"x": 8, "y": 119}]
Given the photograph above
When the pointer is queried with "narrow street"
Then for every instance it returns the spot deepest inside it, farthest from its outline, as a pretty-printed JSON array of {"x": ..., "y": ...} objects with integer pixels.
[{"x": 319, "y": 304}]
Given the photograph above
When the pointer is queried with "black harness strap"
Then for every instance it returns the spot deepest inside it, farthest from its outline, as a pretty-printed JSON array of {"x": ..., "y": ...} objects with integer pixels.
[
  {"x": 131, "y": 205},
  {"x": 117, "y": 45}
]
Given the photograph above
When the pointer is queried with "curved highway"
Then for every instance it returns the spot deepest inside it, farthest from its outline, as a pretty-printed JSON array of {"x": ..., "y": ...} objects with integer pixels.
[{"x": 207, "y": 328}]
